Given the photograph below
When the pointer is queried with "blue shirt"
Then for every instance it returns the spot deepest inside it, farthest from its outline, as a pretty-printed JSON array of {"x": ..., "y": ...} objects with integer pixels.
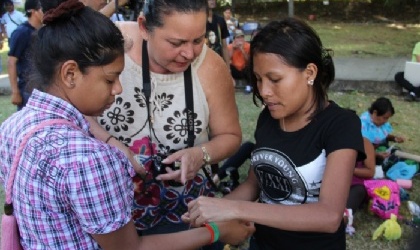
[
  {"x": 375, "y": 134},
  {"x": 19, "y": 44}
]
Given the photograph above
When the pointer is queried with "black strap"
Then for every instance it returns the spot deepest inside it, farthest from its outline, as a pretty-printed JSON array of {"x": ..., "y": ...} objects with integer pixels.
[
  {"x": 189, "y": 102},
  {"x": 13, "y": 21}
]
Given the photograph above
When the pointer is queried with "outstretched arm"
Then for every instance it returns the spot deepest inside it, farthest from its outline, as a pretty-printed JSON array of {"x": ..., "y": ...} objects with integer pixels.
[
  {"x": 322, "y": 216},
  {"x": 233, "y": 232}
]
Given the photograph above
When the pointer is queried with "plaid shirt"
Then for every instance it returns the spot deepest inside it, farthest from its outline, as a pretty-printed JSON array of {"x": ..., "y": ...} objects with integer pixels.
[{"x": 68, "y": 184}]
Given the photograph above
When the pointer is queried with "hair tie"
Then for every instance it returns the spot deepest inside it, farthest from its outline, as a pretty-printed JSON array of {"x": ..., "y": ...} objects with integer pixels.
[{"x": 61, "y": 10}]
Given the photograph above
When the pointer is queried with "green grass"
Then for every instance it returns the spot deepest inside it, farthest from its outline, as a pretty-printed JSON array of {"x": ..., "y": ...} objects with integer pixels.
[
  {"x": 3, "y": 57},
  {"x": 368, "y": 39}
]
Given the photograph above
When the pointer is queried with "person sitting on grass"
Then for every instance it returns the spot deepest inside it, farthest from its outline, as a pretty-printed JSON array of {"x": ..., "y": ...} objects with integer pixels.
[
  {"x": 413, "y": 92},
  {"x": 376, "y": 127}
]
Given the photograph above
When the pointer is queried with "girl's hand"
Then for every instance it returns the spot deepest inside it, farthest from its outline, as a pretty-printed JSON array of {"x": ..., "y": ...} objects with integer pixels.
[{"x": 399, "y": 139}]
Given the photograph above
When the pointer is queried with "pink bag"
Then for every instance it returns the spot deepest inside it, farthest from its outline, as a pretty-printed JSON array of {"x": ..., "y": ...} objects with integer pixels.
[
  {"x": 385, "y": 196},
  {"x": 10, "y": 238}
]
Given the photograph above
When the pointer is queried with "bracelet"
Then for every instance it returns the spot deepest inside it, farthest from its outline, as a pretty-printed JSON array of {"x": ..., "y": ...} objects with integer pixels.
[
  {"x": 214, "y": 231},
  {"x": 109, "y": 138}
]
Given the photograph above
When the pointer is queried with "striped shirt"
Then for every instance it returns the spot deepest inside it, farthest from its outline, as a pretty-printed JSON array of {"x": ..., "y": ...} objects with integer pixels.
[{"x": 68, "y": 184}]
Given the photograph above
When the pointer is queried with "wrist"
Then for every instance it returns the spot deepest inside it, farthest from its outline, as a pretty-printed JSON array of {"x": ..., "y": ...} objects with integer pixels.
[
  {"x": 206, "y": 156},
  {"x": 214, "y": 231}
]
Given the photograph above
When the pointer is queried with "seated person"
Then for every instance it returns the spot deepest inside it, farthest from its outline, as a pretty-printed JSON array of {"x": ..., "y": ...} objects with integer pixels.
[
  {"x": 377, "y": 129},
  {"x": 414, "y": 92},
  {"x": 239, "y": 55}
]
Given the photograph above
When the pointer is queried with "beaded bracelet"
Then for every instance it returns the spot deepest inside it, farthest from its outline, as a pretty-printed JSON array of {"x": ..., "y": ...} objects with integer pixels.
[
  {"x": 109, "y": 138},
  {"x": 214, "y": 231}
]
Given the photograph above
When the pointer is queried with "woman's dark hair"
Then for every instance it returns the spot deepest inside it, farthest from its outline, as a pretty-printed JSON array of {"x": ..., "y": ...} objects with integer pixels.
[
  {"x": 155, "y": 10},
  {"x": 382, "y": 105},
  {"x": 72, "y": 32},
  {"x": 297, "y": 45}
]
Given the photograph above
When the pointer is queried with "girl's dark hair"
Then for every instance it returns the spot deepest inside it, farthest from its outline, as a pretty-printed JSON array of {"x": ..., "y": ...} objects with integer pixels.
[
  {"x": 72, "y": 32},
  {"x": 297, "y": 45},
  {"x": 155, "y": 10},
  {"x": 382, "y": 105}
]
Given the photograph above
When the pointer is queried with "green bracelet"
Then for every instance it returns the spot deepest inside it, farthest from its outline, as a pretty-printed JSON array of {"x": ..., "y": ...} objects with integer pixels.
[{"x": 216, "y": 231}]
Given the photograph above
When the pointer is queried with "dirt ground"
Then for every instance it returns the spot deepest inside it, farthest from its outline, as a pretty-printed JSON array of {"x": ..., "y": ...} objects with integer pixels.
[{"x": 333, "y": 12}]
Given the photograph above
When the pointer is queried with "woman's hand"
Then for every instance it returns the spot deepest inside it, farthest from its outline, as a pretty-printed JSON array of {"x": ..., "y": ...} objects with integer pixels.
[
  {"x": 191, "y": 161},
  {"x": 206, "y": 209}
]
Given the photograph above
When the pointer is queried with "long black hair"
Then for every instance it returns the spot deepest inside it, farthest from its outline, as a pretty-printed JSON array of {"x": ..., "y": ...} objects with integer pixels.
[{"x": 297, "y": 44}]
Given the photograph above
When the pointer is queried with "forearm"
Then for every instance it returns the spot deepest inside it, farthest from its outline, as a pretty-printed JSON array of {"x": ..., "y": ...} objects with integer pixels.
[
  {"x": 11, "y": 70},
  {"x": 365, "y": 173},
  {"x": 315, "y": 217},
  {"x": 111, "y": 7},
  {"x": 222, "y": 146},
  {"x": 395, "y": 138},
  {"x": 191, "y": 239}
]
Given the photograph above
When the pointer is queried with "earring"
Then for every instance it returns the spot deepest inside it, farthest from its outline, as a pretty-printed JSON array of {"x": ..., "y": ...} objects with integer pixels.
[{"x": 311, "y": 82}]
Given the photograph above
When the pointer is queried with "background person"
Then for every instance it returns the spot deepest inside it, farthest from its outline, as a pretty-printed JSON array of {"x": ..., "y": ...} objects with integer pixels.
[
  {"x": 213, "y": 43},
  {"x": 11, "y": 19},
  {"x": 158, "y": 129},
  {"x": 18, "y": 63},
  {"x": 239, "y": 51},
  {"x": 413, "y": 92},
  {"x": 231, "y": 22},
  {"x": 217, "y": 24},
  {"x": 74, "y": 187},
  {"x": 306, "y": 148}
]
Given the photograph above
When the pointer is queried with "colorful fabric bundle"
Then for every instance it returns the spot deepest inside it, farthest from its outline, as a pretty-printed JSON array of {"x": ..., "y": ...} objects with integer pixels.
[{"x": 385, "y": 196}]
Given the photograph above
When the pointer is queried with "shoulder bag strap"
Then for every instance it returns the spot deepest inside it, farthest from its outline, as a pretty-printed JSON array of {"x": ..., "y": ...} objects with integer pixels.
[
  {"x": 16, "y": 159},
  {"x": 13, "y": 21}
]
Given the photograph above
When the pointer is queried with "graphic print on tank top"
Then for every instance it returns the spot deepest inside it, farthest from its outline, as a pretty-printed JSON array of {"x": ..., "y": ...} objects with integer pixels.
[{"x": 282, "y": 182}]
